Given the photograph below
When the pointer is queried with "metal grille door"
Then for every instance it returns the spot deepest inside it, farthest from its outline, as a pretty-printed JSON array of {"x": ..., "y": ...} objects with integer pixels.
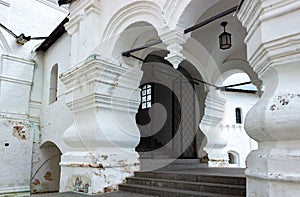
[{"x": 184, "y": 125}]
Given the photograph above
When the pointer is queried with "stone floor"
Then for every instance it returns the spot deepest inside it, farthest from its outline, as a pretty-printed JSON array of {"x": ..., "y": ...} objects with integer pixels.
[{"x": 237, "y": 172}]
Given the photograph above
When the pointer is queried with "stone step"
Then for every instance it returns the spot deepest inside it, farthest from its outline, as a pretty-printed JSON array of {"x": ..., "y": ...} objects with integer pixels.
[
  {"x": 167, "y": 192},
  {"x": 178, "y": 166},
  {"x": 76, "y": 194},
  {"x": 205, "y": 178},
  {"x": 192, "y": 186},
  {"x": 170, "y": 164}
]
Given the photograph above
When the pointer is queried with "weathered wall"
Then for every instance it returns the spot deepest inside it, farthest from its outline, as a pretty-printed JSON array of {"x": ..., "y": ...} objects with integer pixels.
[
  {"x": 20, "y": 88},
  {"x": 45, "y": 173},
  {"x": 49, "y": 143}
]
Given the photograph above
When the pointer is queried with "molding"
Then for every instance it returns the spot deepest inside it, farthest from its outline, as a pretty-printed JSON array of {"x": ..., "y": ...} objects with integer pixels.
[
  {"x": 123, "y": 16},
  {"x": 14, "y": 116},
  {"x": 15, "y": 80},
  {"x": 52, "y": 5},
  {"x": 83, "y": 7},
  {"x": 168, "y": 8},
  {"x": 254, "y": 12},
  {"x": 14, "y": 190},
  {"x": 85, "y": 66},
  {"x": 277, "y": 52},
  {"x": 269, "y": 176},
  {"x": 73, "y": 25},
  {"x": 97, "y": 71},
  {"x": 174, "y": 40},
  {"x": 17, "y": 59},
  {"x": 103, "y": 101}
]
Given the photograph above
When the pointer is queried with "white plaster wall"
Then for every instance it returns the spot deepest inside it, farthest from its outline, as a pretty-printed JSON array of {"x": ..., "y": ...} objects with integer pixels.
[
  {"x": 52, "y": 128},
  {"x": 31, "y": 17},
  {"x": 55, "y": 118},
  {"x": 238, "y": 140},
  {"x": 20, "y": 84}
]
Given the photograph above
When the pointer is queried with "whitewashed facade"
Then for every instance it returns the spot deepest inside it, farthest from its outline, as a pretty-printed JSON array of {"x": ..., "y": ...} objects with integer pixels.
[{"x": 68, "y": 114}]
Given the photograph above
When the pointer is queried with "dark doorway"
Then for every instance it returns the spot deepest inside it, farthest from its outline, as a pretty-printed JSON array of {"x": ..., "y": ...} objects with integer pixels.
[{"x": 178, "y": 100}]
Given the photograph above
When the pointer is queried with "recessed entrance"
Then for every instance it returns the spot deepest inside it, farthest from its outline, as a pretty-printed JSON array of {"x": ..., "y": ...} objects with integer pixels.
[{"x": 169, "y": 114}]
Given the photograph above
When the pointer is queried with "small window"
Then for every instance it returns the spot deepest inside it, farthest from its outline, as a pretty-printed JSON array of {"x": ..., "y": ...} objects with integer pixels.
[
  {"x": 238, "y": 115},
  {"x": 146, "y": 96},
  {"x": 53, "y": 84},
  {"x": 233, "y": 157}
]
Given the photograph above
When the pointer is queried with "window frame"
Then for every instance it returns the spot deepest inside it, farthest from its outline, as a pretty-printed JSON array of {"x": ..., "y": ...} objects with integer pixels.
[
  {"x": 238, "y": 115},
  {"x": 146, "y": 96}
]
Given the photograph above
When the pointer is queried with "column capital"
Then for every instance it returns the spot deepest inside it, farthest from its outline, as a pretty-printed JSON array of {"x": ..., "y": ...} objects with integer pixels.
[
  {"x": 273, "y": 32},
  {"x": 99, "y": 92},
  {"x": 174, "y": 40}
]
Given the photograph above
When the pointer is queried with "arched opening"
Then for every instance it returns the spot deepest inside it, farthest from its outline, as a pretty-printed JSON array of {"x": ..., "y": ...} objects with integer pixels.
[
  {"x": 53, "y": 84},
  {"x": 46, "y": 169},
  {"x": 169, "y": 125},
  {"x": 233, "y": 158},
  {"x": 240, "y": 99},
  {"x": 238, "y": 115}
]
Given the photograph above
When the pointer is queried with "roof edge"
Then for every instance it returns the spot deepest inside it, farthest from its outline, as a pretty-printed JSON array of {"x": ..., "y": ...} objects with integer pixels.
[{"x": 53, "y": 37}]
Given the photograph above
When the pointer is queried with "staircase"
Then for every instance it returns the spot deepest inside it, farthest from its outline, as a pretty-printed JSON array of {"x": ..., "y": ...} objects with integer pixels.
[{"x": 209, "y": 182}]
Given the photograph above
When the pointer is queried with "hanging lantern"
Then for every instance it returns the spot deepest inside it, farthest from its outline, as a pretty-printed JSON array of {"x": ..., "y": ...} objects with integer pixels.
[{"x": 224, "y": 38}]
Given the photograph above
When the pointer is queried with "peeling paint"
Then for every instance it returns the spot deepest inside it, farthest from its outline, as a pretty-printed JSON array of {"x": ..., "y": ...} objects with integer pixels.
[
  {"x": 283, "y": 101},
  {"x": 36, "y": 182},
  {"x": 19, "y": 133},
  {"x": 104, "y": 157},
  {"x": 108, "y": 189},
  {"x": 92, "y": 165},
  {"x": 273, "y": 107},
  {"x": 79, "y": 186},
  {"x": 96, "y": 165},
  {"x": 48, "y": 176}
]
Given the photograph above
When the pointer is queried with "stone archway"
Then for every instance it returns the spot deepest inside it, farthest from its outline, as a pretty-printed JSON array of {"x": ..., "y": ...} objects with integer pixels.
[
  {"x": 46, "y": 170},
  {"x": 170, "y": 128}
]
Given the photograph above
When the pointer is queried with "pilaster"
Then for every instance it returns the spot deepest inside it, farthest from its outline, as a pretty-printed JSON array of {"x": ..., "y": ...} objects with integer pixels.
[
  {"x": 104, "y": 98},
  {"x": 83, "y": 26},
  {"x": 273, "y": 44}
]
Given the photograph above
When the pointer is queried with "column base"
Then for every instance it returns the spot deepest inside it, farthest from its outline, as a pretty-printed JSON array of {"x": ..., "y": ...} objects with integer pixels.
[
  {"x": 95, "y": 172},
  {"x": 217, "y": 158},
  {"x": 273, "y": 172}
]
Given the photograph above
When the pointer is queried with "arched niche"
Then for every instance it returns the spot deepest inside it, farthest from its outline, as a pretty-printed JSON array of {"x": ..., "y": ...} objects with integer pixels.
[{"x": 46, "y": 169}]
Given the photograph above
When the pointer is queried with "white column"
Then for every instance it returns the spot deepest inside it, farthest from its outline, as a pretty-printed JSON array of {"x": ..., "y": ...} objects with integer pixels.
[
  {"x": 104, "y": 98},
  {"x": 212, "y": 126},
  {"x": 273, "y": 45}
]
